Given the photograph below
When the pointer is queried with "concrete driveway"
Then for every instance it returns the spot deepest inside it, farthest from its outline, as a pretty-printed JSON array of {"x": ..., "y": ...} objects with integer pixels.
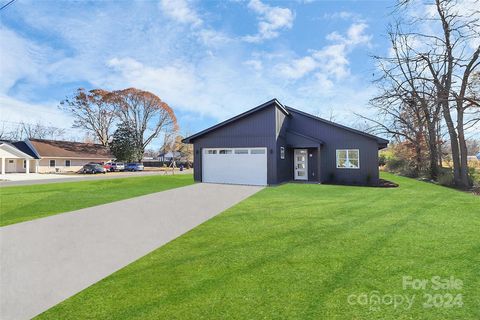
[{"x": 47, "y": 260}]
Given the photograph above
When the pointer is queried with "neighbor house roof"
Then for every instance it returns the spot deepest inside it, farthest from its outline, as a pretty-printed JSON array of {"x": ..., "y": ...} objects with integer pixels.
[
  {"x": 23, "y": 151},
  {"x": 25, "y": 148},
  {"x": 68, "y": 149},
  {"x": 242, "y": 115}
]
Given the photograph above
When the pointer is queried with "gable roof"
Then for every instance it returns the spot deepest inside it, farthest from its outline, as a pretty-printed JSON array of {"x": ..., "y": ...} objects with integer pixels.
[
  {"x": 68, "y": 149},
  {"x": 25, "y": 148},
  {"x": 8, "y": 145},
  {"x": 242, "y": 115},
  {"x": 380, "y": 141}
]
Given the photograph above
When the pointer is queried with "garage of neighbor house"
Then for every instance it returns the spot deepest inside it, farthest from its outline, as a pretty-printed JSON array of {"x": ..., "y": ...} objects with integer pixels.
[{"x": 273, "y": 143}]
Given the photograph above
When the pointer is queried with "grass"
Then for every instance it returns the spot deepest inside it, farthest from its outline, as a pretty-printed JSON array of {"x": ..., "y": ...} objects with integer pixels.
[
  {"x": 23, "y": 203},
  {"x": 298, "y": 251}
]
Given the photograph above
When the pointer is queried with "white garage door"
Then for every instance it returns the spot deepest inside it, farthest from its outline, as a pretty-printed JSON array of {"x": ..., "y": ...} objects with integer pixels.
[{"x": 235, "y": 165}]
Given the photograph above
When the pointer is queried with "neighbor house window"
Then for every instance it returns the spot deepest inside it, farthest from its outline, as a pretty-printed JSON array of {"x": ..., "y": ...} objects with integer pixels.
[
  {"x": 52, "y": 163},
  {"x": 67, "y": 163},
  {"x": 282, "y": 153},
  {"x": 241, "y": 151},
  {"x": 348, "y": 159},
  {"x": 225, "y": 151},
  {"x": 211, "y": 151}
]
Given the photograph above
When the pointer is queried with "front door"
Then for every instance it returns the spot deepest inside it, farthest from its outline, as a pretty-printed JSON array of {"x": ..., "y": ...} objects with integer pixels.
[{"x": 301, "y": 164}]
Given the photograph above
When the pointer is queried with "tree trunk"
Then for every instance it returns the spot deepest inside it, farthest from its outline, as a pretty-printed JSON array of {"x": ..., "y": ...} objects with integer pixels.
[
  {"x": 464, "y": 181},
  {"x": 453, "y": 141}
]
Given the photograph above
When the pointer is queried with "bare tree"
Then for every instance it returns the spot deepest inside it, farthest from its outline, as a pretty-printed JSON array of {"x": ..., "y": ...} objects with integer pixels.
[
  {"x": 93, "y": 111},
  {"x": 146, "y": 112},
  {"x": 40, "y": 131},
  {"x": 451, "y": 62},
  {"x": 406, "y": 108}
]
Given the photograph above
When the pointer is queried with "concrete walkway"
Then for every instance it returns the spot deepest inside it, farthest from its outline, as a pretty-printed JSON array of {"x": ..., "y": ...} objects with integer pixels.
[{"x": 45, "y": 261}]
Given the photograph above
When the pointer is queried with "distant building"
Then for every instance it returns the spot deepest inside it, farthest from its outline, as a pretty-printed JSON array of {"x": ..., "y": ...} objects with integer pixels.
[{"x": 42, "y": 156}]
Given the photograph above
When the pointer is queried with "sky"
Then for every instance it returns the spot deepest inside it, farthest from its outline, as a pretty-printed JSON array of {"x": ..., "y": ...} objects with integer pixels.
[{"x": 209, "y": 60}]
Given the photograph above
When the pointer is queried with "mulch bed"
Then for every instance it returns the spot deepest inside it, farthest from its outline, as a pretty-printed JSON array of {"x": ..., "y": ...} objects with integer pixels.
[{"x": 382, "y": 183}]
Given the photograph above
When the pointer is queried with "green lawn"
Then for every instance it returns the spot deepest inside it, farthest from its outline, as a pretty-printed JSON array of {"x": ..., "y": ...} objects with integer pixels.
[
  {"x": 299, "y": 251},
  {"x": 25, "y": 203}
]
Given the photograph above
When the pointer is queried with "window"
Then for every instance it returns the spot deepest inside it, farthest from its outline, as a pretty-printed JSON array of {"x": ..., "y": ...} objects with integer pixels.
[
  {"x": 241, "y": 151},
  {"x": 67, "y": 163},
  {"x": 257, "y": 151},
  {"x": 348, "y": 159},
  {"x": 11, "y": 161},
  {"x": 24, "y": 164},
  {"x": 52, "y": 163},
  {"x": 225, "y": 151},
  {"x": 211, "y": 151},
  {"x": 282, "y": 153}
]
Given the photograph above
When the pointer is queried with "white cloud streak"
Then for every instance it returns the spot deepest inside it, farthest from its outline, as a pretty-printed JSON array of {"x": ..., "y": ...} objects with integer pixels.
[{"x": 271, "y": 21}]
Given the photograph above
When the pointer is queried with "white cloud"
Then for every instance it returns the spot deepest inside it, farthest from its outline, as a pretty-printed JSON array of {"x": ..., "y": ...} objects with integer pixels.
[
  {"x": 190, "y": 68},
  {"x": 256, "y": 65},
  {"x": 331, "y": 60},
  {"x": 271, "y": 21},
  {"x": 298, "y": 67},
  {"x": 14, "y": 111},
  {"x": 180, "y": 11}
]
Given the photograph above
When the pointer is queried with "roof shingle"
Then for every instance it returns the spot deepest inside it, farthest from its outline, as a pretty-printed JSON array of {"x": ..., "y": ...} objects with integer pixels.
[{"x": 53, "y": 148}]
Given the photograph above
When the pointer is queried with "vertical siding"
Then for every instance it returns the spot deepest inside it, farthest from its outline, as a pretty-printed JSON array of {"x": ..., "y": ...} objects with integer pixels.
[
  {"x": 267, "y": 128},
  {"x": 337, "y": 138},
  {"x": 284, "y": 167},
  {"x": 255, "y": 130}
]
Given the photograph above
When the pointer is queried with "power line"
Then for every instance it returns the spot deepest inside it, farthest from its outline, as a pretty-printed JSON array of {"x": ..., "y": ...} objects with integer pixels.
[{"x": 6, "y": 5}]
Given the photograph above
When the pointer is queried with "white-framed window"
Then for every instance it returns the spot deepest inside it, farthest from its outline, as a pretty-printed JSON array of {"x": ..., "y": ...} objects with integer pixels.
[
  {"x": 282, "y": 153},
  {"x": 67, "y": 163},
  {"x": 52, "y": 163},
  {"x": 241, "y": 151},
  {"x": 257, "y": 151},
  {"x": 225, "y": 151},
  {"x": 348, "y": 159},
  {"x": 210, "y": 151}
]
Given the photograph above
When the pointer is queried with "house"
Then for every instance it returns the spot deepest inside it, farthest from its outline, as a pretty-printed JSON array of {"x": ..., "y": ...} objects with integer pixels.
[
  {"x": 43, "y": 156},
  {"x": 169, "y": 156},
  {"x": 272, "y": 143}
]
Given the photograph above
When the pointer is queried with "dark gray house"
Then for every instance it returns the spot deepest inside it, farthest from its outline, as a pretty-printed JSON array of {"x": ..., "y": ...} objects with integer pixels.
[{"x": 272, "y": 143}]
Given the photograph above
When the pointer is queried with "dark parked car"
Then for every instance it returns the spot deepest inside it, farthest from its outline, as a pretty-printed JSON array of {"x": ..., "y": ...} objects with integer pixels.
[
  {"x": 134, "y": 167},
  {"x": 93, "y": 168}
]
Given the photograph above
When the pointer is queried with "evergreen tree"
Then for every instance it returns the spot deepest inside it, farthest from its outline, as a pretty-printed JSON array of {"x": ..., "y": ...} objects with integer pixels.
[{"x": 124, "y": 145}]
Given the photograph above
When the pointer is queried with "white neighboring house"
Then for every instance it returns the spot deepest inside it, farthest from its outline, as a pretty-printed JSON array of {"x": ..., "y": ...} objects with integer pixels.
[
  {"x": 49, "y": 156},
  {"x": 17, "y": 157}
]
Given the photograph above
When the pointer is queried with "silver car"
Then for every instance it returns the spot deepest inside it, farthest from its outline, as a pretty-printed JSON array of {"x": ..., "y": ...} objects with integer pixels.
[{"x": 118, "y": 166}]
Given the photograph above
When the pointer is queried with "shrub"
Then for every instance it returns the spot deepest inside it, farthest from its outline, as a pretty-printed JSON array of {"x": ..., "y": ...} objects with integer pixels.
[
  {"x": 445, "y": 178},
  {"x": 382, "y": 159}
]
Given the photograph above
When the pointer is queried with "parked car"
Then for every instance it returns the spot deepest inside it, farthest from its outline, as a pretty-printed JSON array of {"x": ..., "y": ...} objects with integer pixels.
[
  {"x": 107, "y": 166},
  {"x": 93, "y": 168},
  {"x": 117, "y": 166},
  {"x": 134, "y": 167}
]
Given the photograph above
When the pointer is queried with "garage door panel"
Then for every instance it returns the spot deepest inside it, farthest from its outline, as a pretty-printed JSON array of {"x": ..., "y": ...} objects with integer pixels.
[{"x": 235, "y": 168}]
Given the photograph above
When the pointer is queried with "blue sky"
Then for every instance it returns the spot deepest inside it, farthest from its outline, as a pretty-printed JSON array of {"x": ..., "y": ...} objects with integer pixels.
[{"x": 208, "y": 60}]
